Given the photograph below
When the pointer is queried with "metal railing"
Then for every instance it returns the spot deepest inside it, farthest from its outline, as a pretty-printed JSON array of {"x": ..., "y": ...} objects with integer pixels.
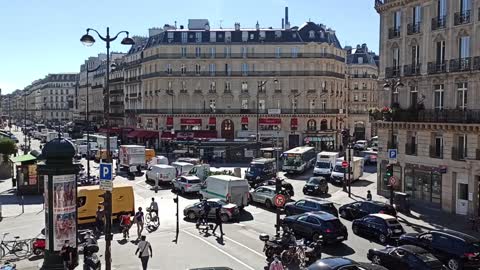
[
  {"x": 413, "y": 28},
  {"x": 438, "y": 116},
  {"x": 461, "y": 17},
  {"x": 439, "y": 22},
  {"x": 241, "y": 56},
  {"x": 411, "y": 149},
  {"x": 393, "y": 32},
  {"x": 458, "y": 154},
  {"x": 244, "y": 74},
  {"x": 392, "y": 72},
  {"x": 460, "y": 64},
  {"x": 412, "y": 70},
  {"x": 437, "y": 67},
  {"x": 436, "y": 152},
  {"x": 230, "y": 111}
]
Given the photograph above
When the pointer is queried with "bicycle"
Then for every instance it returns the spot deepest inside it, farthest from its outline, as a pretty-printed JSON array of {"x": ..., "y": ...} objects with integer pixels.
[
  {"x": 294, "y": 252},
  {"x": 152, "y": 220},
  {"x": 19, "y": 248}
]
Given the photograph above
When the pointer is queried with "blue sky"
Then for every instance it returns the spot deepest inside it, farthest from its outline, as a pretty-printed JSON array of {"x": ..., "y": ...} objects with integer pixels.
[{"x": 42, "y": 36}]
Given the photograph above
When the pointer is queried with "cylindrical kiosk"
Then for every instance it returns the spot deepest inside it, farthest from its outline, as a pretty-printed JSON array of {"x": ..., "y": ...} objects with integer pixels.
[{"x": 60, "y": 197}]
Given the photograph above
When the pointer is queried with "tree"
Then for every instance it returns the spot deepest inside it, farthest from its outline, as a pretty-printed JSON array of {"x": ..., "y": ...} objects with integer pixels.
[{"x": 7, "y": 148}]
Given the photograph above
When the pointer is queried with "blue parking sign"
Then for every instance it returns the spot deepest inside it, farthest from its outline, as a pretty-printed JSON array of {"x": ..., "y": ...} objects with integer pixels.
[
  {"x": 392, "y": 154},
  {"x": 106, "y": 171}
]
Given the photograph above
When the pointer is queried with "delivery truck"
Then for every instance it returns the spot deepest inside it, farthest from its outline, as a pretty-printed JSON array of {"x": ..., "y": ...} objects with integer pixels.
[
  {"x": 325, "y": 163},
  {"x": 131, "y": 156},
  {"x": 338, "y": 172}
]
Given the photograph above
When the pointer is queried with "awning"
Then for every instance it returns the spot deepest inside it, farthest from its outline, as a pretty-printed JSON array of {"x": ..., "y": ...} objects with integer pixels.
[
  {"x": 294, "y": 122},
  {"x": 191, "y": 121},
  {"x": 212, "y": 121},
  {"x": 23, "y": 158},
  {"x": 133, "y": 134},
  {"x": 270, "y": 121},
  {"x": 169, "y": 121},
  {"x": 244, "y": 120},
  {"x": 167, "y": 135},
  {"x": 197, "y": 135},
  {"x": 319, "y": 139},
  {"x": 147, "y": 134}
]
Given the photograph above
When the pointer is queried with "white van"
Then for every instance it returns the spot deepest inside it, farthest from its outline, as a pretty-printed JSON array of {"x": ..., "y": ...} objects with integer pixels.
[
  {"x": 230, "y": 188},
  {"x": 161, "y": 173},
  {"x": 201, "y": 171},
  {"x": 325, "y": 163},
  {"x": 182, "y": 167},
  {"x": 158, "y": 160}
]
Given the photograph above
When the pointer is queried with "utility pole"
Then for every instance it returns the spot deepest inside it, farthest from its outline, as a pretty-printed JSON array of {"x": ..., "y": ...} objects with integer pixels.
[{"x": 349, "y": 169}]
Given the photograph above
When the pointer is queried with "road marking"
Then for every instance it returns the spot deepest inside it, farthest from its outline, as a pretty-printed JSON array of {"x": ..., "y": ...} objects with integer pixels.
[
  {"x": 217, "y": 248},
  {"x": 242, "y": 245}
]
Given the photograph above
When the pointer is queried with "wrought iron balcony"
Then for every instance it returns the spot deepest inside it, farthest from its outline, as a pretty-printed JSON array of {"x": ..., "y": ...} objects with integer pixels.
[
  {"x": 461, "y": 17},
  {"x": 392, "y": 72},
  {"x": 439, "y": 22},
  {"x": 413, "y": 28},
  {"x": 411, "y": 149},
  {"x": 458, "y": 154},
  {"x": 243, "y": 74},
  {"x": 230, "y": 111},
  {"x": 476, "y": 63},
  {"x": 411, "y": 70},
  {"x": 460, "y": 64},
  {"x": 436, "y": 152},
  {"x": 437, "y": 67},
  {"x": 438, "y": 116},
  {"x": 477, "y": 154},
  {"x": 394, "y": 32}
]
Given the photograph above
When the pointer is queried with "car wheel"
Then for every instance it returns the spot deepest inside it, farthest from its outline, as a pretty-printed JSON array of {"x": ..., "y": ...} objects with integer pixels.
[
  {"x": 376, "y": 260},
  {"x": 268, "y": 204},
  {"x": 453, "y": 264},
  {"x": 382, "y": 238},
  {"x": 191, "y": 215},
  {"x": 355, "y": 229},
  {"x": 224, "y": 218},
  {"x": 344, "y": 214}
]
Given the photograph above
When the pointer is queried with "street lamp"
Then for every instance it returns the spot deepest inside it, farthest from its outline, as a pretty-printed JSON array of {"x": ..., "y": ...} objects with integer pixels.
[
  {"x": 88, "y": 40},
  {"x": 87, "y": 122},
  {"x": 261, "y": 84}
]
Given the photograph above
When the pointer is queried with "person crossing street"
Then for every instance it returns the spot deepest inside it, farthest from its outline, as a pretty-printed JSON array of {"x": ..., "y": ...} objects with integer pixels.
[{"x": 218, "y": 222}]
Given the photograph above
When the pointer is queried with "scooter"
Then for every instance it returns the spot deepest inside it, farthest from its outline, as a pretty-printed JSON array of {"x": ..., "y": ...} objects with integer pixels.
[
  {"x": 90, "y": 258},
  {"x": 38, "y": 246}
]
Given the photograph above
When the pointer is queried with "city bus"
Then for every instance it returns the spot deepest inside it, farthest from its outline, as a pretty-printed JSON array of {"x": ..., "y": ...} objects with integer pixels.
[{"x": 298, "y": 159}]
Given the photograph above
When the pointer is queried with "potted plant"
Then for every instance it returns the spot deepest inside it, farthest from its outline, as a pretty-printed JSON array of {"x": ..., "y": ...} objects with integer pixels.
[{"x": 387, "y": 113}]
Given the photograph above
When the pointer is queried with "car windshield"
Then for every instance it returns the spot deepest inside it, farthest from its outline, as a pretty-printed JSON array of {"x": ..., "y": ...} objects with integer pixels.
[
  {"x": 221, "y": 202},
  {"x": 256, "y": 167},
  {"x": 314, "y": 181},
  {"x": 427, "y": 257},
  {"x": 323, "y": 165},
  {"x": 339, "y": 168}
]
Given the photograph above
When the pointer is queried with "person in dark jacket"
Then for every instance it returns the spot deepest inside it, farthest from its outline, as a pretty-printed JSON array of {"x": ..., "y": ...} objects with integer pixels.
[{"x": 218, "y": 222}]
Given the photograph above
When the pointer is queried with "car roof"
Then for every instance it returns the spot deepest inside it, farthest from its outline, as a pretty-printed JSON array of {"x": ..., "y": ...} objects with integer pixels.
[
  {"x": 190, "y": 177},
  {"x": 322, "y": 215},
  {"x": 383, "y": 216},
  {"x": 181, "y": 163},
  {"x": 215, "y": 200},
  {"x": 332, "y": 262},
  {"x": 377, "y": 203},
  {"x": 463, "y": 236},
  {"x": 268, "y": 187},
  {"x": 163, "y": 166},
  {"x": 317, "y": 177},
  {"x": 316, "y": 200},
  {"x": 413, "y": 249}
]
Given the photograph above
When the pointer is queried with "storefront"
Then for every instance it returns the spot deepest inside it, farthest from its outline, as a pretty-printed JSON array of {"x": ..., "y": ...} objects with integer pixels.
[
  {"x": 397, "y": 172},
  {"x": 148, "y": 138},
  {"x": 423, "y": 183},
  {"x": 26, "y": 178},
  {"x": 190, "y": 124},
  {"x": 270, "y": 123},
  {"x": 321, "y": 141}
]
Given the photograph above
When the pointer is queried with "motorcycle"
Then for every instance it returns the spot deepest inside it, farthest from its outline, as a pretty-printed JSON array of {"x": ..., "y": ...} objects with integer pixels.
[
  {"x": 90, "y": 258},
  {"x": 278, "y": 244},
  {"x": 38, "y": 246},
  {"x": 85, "y": 238},
  {"x": 313, "y": 252}
]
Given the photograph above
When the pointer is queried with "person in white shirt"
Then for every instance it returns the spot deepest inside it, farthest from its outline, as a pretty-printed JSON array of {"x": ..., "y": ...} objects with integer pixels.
[
  {"x": 144, "y": 251},
  {"x": 154, "y": 207}
]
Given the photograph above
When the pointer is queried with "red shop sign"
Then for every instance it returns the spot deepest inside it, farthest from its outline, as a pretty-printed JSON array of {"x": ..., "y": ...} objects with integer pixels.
[
  {"x": 270, "y": 121},
  {"x": 191, "y": 121}
]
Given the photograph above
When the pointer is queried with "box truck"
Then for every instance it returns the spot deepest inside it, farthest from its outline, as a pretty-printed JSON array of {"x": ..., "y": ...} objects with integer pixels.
[
  {"x": 338, "y": 172},
  {"x": 325, "y": 163},
  {"x": 131, "y": 156}
]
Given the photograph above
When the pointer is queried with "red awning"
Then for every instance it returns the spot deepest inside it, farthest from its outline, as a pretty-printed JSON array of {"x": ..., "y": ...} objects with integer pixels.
[
  {"x": 169, "y": 121},
  {"x": 294, "y": 122},
  {"x": 212, "y": 121},
  {"x": 133, "y": 134},
  {"x": 245, "y": 120},
  {"x": 148, "y": 134},
  {"x": 270, "y": 121},
  {"x": 167, "y": 135},
  {"x": 205, "y": 134},
  {"x": 191, "y": 121}
]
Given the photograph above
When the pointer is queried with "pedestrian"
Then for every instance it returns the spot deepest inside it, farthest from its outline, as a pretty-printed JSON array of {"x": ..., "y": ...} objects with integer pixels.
[
  {"x": 139, "y": 219},
  {"x": 67, "y": 255},
  {"x": 369, "y": 195},
  {"x": 125, "y": 224},
  {"x": 206, "y": 211},
  {"x": 218, "y": 222},
  {"x": 99, "y": 220},
  {"x": 154, "y": 208},
  {"x": 144, "y": 250},
  {"x": 276, "y": 264}
]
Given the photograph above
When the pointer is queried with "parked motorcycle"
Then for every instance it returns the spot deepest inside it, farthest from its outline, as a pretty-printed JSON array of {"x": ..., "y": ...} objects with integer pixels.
[
  {"x": 278, "y": 244},
  {"x": 8, "y": 266},
  {"x": 85, "y": 238},
  {"x": 313, "y": 252},
  {"x": 90, "y": 259},
  {"x": 38, "y": 246}
]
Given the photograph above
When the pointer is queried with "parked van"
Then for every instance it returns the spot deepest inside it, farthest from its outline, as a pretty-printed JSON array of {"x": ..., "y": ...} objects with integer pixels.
[
  {"x": 260, "y": 169},
  {"x": 202, "y": 171},
  {"x": 149, "y": 155},
  {"x": 182, "y": 167},
  {"x": 158, "y": 160},
  {"x": 193, "y": 161},
  {"x": 230, "y": 188},
  {"x": 88, "y": 200},
  {"x": 162, "y": 173},
  {"x": 325, "y": 163}
]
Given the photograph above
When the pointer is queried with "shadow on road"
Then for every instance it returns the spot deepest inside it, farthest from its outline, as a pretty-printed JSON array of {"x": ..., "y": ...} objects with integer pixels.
[
  {"x": 338, "y": 250},
  {"x": 9, "y": 197}
]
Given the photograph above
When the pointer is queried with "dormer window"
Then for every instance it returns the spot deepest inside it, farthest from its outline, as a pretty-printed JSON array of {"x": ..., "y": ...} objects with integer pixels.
[
  {"x": 322, "y": 34},
  {"x": 198, "y": 37},
  {"x": 244, "y": 36},
  {"x": 311, "y": 34},
  {"x": 360, "y": 60},
  {"x": 170, "y": 35},
  {"x": 278, "y": 34},
  {"x": 294, "y": 35},
  {"x": 262, "y": 35},
  {"x": 252, "y": 36}
]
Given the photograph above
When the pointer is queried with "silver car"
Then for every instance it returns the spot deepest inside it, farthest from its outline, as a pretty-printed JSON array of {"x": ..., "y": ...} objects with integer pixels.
[
  {"x": 187, "y": 184},
  {"x": 264, "y": 195},
  {"x": 228, "y": 211}
]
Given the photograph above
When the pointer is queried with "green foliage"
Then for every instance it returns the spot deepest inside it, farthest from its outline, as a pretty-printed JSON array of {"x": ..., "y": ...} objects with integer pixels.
[{"x": 7, "y": 147}]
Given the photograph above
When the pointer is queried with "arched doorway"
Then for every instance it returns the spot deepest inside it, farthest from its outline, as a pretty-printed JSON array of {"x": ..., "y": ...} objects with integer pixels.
[
  {"x": 359, "y": 131},
  {"x": 228, "y": 129},
  {"x": 324, "y": 124}
]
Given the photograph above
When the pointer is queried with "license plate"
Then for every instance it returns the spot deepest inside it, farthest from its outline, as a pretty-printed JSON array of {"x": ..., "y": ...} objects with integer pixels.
[
  {"x": 397, "y": 231},
  {"x": 340, "y": 237},
  {"x": 310, "y": 190}
]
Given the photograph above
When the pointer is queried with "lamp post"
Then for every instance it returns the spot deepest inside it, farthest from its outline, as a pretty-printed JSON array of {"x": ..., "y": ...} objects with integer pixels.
[
  {"x": 261, "y": 84},
  {"x": 88, "y": 40},
  {"x": 87, "y": 122},
  {"x": 25, "y": 149}
]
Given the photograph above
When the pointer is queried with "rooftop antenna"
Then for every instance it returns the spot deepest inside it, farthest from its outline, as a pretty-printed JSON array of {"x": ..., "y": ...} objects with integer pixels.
[{"x": 220, "y": 24}]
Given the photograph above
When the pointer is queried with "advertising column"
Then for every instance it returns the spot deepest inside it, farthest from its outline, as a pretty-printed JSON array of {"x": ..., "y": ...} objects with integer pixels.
[{"x": 64, "y": 210}]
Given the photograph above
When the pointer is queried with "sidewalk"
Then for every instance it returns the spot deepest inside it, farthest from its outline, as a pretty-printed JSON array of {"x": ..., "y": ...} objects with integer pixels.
[
  {"x": 11, "y": 204},
  {"x": 421, "y": 218}
]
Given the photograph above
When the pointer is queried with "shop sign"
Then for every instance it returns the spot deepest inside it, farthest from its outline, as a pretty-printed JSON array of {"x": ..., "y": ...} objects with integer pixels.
[
  {"x": 32, "y": 174},
  {"x": 190, "y": 121},
  {"x": 185, "y": 135},
  {"x": 274, "y": 111}
]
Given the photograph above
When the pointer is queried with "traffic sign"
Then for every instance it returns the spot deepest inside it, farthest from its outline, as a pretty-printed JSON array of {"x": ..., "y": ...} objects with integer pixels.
[
  {"x": 392, "y": 180},
  {"x": 344, "y": 164},
  {"x": 106, "y": 185},
  {"x": 279, "y": 200},
  {"x": 392, "y": 155},
  {"x": 106, "y": 171}
]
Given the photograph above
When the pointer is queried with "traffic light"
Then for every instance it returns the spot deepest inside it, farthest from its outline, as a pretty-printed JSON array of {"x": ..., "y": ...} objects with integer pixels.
[{"x": 389, "y": 171}]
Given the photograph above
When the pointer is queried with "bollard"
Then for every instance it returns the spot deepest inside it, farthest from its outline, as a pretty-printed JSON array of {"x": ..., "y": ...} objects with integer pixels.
[
  {"x": 1, "y": 216},
  {"x": 23, "y": 205}
]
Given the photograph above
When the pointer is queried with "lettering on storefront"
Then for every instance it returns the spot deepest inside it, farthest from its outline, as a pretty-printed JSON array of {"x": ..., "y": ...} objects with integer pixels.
[{"x": 440, "y": 169}]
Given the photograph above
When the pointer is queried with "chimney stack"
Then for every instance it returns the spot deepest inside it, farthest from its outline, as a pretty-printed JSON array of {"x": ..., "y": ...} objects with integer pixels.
[
  {"x": 286, "y": 15},
  {"x": 283, "y": 23}
]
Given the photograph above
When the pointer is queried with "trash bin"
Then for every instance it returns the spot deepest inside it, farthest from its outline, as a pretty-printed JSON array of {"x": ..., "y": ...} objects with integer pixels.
[{"x": 402, "y": 202}]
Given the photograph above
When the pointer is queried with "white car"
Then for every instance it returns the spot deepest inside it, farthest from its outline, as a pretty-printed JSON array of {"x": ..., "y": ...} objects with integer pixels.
[
  {"x": 187, "y": 184},
  {"x": 360, "y": 145}
]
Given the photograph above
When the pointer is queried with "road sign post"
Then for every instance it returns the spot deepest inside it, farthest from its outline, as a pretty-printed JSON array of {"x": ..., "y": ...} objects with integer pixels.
[
  {"x": 106, "y": 176},
  {"x": 392, "y": 155},
  {"x": 279, "y": 200}
]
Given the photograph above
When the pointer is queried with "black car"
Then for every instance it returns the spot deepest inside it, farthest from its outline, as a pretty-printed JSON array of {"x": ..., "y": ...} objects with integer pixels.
[
  {"x": 455, "y": 249},
  {"x": 310, "y": 205},
  {"x": 340, "y": 263},
  {"x": 363, "y": 208},
  {"x": 312, "y": 225},
  {"x": 382, "y": 227},
  {"x": 405, "y": 257},
  {"x": 316, "y": 185}
]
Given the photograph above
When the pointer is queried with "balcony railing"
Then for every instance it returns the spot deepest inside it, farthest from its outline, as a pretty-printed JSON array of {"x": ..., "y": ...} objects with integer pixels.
[
  {"x": 394, "y": 32},
  {"x": 462, "y": 17},
  {"x": 436, "y": 152},
  {"x": 477, "y": 154},
  {"x": 437, "y": 67},
  {"x": 476, "y": 63},
  {"x": 230, "y": 111},
  {"x": 246, "y": 74},
  {"x": 411, "y": 149},
  {"x": 460, "y": 64},
  {"x": 438, "y": 116},
  {"x": 413, "y": 28},
  {"x": 411, "y": 70},
  {"x": 392, "y": 72},
  {"x": 439, "y": 22},
  {"x": 116, "y": 103},
  {"x": 458, "y": 154}
]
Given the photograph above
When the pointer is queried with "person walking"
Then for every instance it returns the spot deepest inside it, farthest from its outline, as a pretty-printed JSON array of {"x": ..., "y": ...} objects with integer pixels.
[
  {"x": 125, "y": 224},
  {"x": 139, "y": 219},
  {"x": 369, "y": 195},
  {"x": 144, "y": 251},
  {"x": 67, "y": 255},
  {"x": 99, "y": 220},
  {"x": 154, "y": 207},
  {"x": 218, "y": 222}
]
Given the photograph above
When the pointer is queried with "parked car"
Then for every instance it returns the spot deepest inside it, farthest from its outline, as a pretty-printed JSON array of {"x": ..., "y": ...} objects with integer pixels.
[
  {"x": 381, "y": 226},
  {"x": 229, "y": 211},
  {"x": 455, "y": 249},
  {"x": 312, "y": 225},
  {"x": 341, "y": 263},
  {"x": 360, "y": 145},
  {"x": 405, "y": 257},
  {"x": 316, "y": 185},
  {"x": 187, "y": 184},
  {"x": 362, "y": 208},
  {"x": 264, "y": 195},
  {"x": 310, "y": 205}
]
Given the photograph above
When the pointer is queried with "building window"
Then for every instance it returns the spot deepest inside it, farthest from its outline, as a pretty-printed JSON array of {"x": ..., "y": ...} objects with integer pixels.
[
  {"x": 228, "y": 37},
  {"x": 184, "y": 37},
  {"x": 244, "y": 126},
  {"x": 183, "y": 69},
  {"x": 355, "y": 86},
  {"x": 183, "y": 51},
  {"x": 397, "y": 15},
  {"x": 415, "y": 55},
  {"x": 244, "y": 69},
  {"x": 245, "y": 104},
  {"x": 278, "y": 52},
  {"x": 413, "y": 96},
  {"x": 212, "y": 104},
  {"x": 213, "y": 86},
  {"x": 294, "y": 52},
  {"x": 212, "y": 68},
  {"x": 228, "y": 70},
  {"x": 324, "y": 105},
  {"x": 437, "y": 150},
  {"x": 417, "y": 15},
  {"x": 324, "y": 124},
  {"x": 311, "y": 125},
  {"x": 442, "y": 8},
  {"x": 440, "y": 53},
  {"x": 168, "y": 68},
  {"x": 461, "y": 147},
  {"x": 243, "y": 51},
  {"x": 464, "y": 47},
  {"x": 294, "y": 104},
  {"x": 197, "y": 69},
  {"x": 213, "y": 51},
  {"x": 227, "y": 86},
  {"x": 261, "y": 86},
  {"x": 311, "y": 34},
  {"x": 396, "y": 57},
  {"x": 244, "y": 87},
  {"x": 244, "y": 36},
  {"x": 462, "y": 96},
  {"x": 198, "y": 51},
  {"x": 438, "y": 97},
  {"x": 213, "y": 36},
  {"x": 198, "y": 37},
  {"x": 355, "y": 97},
  {"x": 261, "y": 105},
  {"x": 184, "y": 85},
  {"x": 227, "y": 51}
]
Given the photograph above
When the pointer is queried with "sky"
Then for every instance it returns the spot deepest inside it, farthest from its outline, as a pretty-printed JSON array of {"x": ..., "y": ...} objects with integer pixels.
[{"x": 38, "y": 37}]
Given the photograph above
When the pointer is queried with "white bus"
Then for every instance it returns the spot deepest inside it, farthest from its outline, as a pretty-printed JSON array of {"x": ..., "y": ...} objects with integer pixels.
[{"x": 298, "y": 159}]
